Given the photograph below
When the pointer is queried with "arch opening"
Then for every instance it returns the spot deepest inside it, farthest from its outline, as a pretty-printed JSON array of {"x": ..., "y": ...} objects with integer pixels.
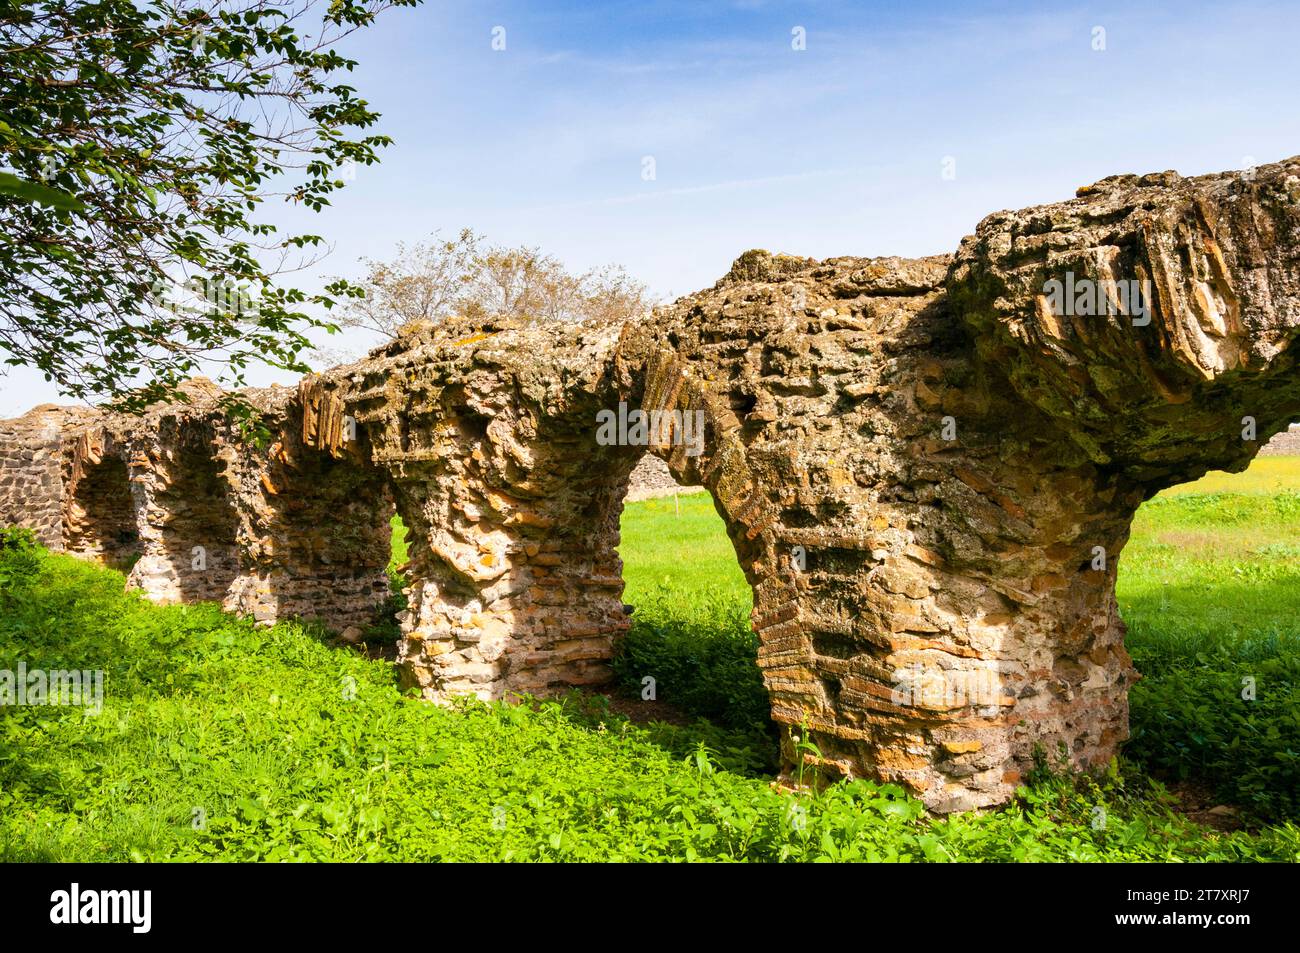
[
  {"x": 100, "y": 517},
  {"x": 691, "y": 651},
  {"x": 1208, "y": 585},
  {"x": 316, "y": 537}
]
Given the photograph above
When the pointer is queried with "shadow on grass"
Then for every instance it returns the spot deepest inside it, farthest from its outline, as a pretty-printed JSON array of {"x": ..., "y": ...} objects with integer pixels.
[{"x": 1246, "y": 618}]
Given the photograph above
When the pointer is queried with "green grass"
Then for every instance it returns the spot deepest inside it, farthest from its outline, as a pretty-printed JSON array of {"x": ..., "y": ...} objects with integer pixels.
[
  {"x": 656, "y": 534},
  {"x": 690, "y": 628},
  {"x": 220, "y": 740},
  {"x": 1265, "y": 475},
  {"x": 401, "y": 552},
  {"x": 1210, "y": 589}
]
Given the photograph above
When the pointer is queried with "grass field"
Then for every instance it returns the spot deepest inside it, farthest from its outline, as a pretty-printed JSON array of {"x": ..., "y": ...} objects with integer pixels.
[
  {"x": 1265, "y": 475},
  {"x": 219, "y": 740}
]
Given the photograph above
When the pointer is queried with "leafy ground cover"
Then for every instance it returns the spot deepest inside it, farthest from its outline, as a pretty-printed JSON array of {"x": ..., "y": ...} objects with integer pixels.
[{"x": 219, "y": 740}]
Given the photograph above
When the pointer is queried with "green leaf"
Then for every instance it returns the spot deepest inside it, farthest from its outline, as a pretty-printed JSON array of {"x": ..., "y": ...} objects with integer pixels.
[{"x": 11, "y": 184}]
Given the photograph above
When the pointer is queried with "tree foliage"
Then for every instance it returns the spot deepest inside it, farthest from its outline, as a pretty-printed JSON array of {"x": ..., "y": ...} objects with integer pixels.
[{"x": 141, "y": 139}]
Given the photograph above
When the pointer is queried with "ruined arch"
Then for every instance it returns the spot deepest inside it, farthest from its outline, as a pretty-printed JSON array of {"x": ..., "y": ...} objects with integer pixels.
[
  {"x": 511, "y": 504},
  {"x": 695, "y": 430},
  {"x": 918, "y": 461},
  {"x": 795, "y": 362},
  {"x": 312, "y": 529},
  {"x": 99, "y": 518}
]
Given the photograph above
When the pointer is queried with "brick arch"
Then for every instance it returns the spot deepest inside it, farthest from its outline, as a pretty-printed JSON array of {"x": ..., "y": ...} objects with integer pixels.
[
  {"x": 313, "y": 527},
  {"x": 710, "y": 451}
]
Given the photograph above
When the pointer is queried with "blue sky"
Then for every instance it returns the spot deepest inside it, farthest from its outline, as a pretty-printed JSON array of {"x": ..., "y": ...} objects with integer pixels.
[{"x": 836, "y": 149}]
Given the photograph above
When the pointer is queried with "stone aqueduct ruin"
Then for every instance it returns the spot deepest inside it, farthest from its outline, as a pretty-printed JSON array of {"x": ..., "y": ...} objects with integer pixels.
[{"x": 916, "y": 461}]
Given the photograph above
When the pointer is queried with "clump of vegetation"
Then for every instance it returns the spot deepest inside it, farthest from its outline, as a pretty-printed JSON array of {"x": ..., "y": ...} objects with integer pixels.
[
  {"x": 21, "y": 557},
  {"x": 1210, "y": 589},
  {"x": 701, "y": 653}
]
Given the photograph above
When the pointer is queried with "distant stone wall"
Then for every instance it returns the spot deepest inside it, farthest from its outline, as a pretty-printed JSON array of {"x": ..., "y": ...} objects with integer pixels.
[
  {"x": 269, "y": 527},
  {"x": 1285, "y": 444},
  {"x": 652, "y": 479}
]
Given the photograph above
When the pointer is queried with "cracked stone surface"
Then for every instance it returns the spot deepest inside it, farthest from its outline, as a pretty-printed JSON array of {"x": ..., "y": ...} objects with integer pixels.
[{"x": 927, "y": 467}]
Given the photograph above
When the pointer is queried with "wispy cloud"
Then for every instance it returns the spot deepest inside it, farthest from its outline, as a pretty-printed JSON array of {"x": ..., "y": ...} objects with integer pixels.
[{"x": 652, "y": 194}]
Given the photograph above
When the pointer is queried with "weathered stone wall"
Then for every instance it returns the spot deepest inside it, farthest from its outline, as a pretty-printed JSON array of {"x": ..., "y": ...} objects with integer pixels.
[
  {"x": 201, "y": 510},
  {"x": 927, "y": 468},
  {"x": 32, "y": 490},
  {"x": 486, "y": 437}
]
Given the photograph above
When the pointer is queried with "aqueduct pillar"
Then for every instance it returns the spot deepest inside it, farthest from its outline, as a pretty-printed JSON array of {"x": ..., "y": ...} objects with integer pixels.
[{"x": 511, "y": 506}]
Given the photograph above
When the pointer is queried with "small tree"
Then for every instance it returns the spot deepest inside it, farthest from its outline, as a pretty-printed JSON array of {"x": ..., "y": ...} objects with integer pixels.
[
  {"x": 611, "y": 294},
  {"x": 426, "y": 281},
  {"x": 431, "y": 281}
]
